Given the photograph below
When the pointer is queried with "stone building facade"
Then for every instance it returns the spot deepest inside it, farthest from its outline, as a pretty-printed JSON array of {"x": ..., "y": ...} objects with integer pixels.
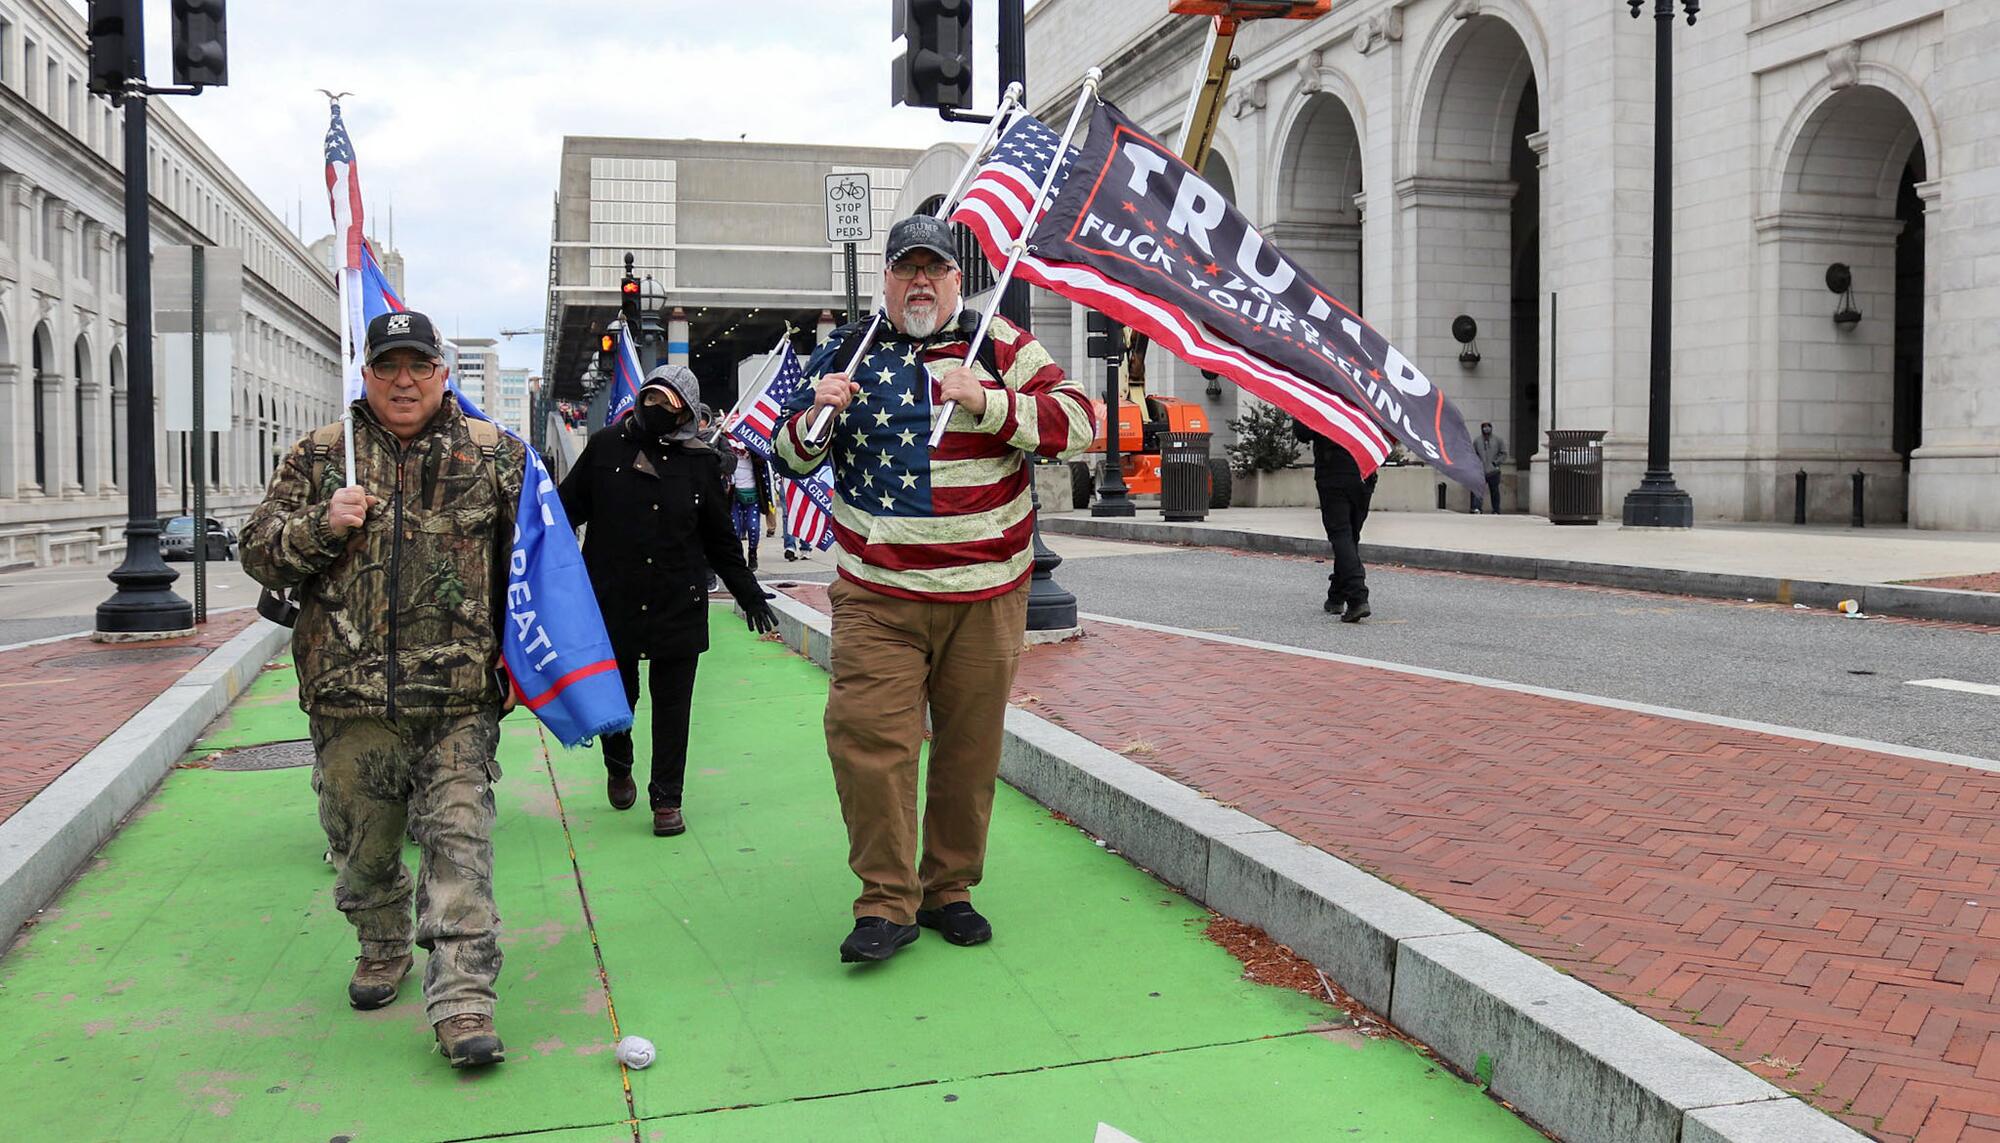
[
  {"x": 63, "y": 439},
  {"x": 1494, "y": 158}
]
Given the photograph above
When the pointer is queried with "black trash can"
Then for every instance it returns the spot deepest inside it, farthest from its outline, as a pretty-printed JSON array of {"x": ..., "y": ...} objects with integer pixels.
[
  {"x": 1576, "y": 476},
  {"x": 1184, "y": 476}
]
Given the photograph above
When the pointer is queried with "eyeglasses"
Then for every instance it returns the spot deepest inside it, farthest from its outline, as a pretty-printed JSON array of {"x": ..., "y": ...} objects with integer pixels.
[
  {"x": 419, "y": 369},
  {"x": 907, "y": 271}
]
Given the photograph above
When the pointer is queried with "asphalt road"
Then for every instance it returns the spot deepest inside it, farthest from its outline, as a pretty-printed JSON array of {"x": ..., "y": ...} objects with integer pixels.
[
  {"x": 36, "y": 603},
  {"x": 1812, "y": 670}
]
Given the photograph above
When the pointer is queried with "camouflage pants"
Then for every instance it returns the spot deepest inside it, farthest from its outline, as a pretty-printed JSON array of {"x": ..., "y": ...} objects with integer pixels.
[{"x": 431, "y": 778}]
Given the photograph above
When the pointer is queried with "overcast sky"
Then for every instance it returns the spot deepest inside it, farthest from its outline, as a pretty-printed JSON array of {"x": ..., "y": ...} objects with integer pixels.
[{"x": 460, "y": 107}]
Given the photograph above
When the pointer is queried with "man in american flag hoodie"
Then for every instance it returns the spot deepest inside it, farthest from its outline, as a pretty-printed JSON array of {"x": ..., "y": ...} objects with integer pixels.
[{"x": 930, "y": 607}]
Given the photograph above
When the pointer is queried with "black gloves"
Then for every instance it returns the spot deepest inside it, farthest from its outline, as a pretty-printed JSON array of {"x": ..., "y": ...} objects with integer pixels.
[{"x": 759, "y": 616}]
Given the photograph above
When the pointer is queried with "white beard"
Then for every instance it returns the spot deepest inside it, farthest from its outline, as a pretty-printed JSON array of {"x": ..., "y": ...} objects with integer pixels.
[{"x": 922, "y": 321}]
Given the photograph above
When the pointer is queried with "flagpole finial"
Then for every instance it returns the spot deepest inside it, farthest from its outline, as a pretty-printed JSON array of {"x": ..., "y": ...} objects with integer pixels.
[
  {"x": 1093, "y": 77},
  {"x": 334, "y": 97}
]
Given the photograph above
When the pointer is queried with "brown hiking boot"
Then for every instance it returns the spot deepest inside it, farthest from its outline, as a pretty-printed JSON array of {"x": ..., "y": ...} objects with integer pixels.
[
  {"x": 374, "y": 983},
  {"x": 469, "y": 1041},
  {"x": 668, "y": 822},
  {"x": 621, "y": 789}
]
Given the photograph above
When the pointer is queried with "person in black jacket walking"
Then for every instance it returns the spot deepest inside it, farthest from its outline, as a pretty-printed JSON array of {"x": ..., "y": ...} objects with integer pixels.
[
  {"x": 651, "y": 493},
  {"x": 1343, "y": 508}
]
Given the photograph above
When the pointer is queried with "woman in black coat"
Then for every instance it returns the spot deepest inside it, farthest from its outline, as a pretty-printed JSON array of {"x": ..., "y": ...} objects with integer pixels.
[{"x": 651, "y": 493}]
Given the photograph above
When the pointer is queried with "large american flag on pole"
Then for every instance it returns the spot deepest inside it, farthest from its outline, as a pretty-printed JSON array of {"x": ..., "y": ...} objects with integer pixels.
[
  {"x": 996, "y": 207},
  {"x": 343, "y": 195},
  {"x": 759, "y": 420},
  {"x": 809, "y": 507}
]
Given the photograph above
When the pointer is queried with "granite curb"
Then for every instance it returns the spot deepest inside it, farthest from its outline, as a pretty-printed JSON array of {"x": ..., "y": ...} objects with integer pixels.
[
  {"x": 49, "y": 839},
  {"x": 1572, "y": 1059},
  {"x": 1875, "y": 598}
]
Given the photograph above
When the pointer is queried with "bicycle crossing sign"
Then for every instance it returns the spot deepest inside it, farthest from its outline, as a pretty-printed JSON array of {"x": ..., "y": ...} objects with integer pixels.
[{"x": 848, "y": 214}]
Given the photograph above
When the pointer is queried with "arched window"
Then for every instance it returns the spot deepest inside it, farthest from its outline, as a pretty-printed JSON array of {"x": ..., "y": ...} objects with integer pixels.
[
  {"x": 82, "y": 360},
  {"x": 41, "y": 412},
  {"x": 116, "y": 381}
]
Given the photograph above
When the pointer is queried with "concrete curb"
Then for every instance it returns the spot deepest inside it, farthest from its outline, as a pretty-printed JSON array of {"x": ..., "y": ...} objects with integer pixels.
[
  {"x": 1577, "y": 1062},
  {"x": 1875, "y": 598},
  {"x": 52, "y": 836}
]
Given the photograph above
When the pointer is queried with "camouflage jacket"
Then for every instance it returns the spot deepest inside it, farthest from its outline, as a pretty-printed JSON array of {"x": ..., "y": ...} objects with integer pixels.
[{"x": 402, "y": 617}]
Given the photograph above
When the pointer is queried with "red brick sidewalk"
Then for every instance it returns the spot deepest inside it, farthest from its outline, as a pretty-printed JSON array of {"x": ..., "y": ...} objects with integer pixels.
[
  {"x": 59, "y": 700},
  {"x": 1828, "y": 917}
]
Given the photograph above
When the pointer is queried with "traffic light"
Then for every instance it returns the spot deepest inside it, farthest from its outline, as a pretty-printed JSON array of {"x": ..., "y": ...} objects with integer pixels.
[
  {"x": 628, "y": 301},
  {"x": 111, "y": 63},
  {"x": 201, "y": 44},
  {"x": 607, "y": 353},
  {"x": 935, "y": 69},
  {"x": 1106, "y": 337}
]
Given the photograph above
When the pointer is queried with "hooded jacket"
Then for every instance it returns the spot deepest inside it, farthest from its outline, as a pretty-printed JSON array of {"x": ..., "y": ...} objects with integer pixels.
[{"x": 657, "y": 522}]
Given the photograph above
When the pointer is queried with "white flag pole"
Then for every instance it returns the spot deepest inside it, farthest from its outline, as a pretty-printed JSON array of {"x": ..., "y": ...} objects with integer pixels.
[
  {"x": 1008, "y": 103},
  {"x": 822, "y": 422},
  {"x": 348, "y": 367},
  {"x": 1020, "y": 246},
  {"x": 765, "y": 375}
]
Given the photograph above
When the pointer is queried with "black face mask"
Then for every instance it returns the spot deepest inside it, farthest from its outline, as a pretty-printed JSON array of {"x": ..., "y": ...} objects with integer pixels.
[{"x": 659, "y": 420}]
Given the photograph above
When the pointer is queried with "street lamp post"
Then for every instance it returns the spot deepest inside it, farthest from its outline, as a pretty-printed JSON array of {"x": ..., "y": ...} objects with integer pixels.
[
  {"x": 652, "y": 307},
  {"x": 1658, "y": 502}
]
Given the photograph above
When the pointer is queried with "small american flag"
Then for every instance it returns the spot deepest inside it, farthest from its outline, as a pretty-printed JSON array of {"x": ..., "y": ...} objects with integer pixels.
[
  {"x": 996, "y": 208},
  {"x": 756, "y": 423},
  {"x": 343, "y": 196},
  {"x": 809, "y": 508}
]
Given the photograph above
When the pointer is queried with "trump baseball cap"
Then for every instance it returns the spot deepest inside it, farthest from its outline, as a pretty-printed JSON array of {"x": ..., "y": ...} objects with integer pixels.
[
  {"x": 920, "y": 232},
  {"x": 407, "y": 329}
]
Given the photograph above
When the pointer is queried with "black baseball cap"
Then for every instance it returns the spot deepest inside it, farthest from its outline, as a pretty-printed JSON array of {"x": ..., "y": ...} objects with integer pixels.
[
  {"x": 407, "y": 329},
  {"x": 920, "y": 232}
]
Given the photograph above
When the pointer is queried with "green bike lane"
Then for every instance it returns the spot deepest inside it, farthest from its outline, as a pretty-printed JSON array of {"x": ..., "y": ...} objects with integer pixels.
[{"x": 191, "y": 984}]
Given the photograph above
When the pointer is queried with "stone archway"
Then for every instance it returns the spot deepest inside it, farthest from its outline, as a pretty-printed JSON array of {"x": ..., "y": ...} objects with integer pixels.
[
  {"x": 45, "y": 395},
  {"x": 1315, "y": 216},
  {"x": 1470, "y": 224},
  {"x": 11, "y": 391},
  {"x": 1847, "y": 394},
  {"x": 116, "y": 412},
  {"x": 83, "y": 392}
]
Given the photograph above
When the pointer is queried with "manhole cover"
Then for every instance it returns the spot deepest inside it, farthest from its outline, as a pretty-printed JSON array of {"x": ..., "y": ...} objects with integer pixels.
[
  {"x": 89, "y": 659},
  {"x": 272, "y": 756}
]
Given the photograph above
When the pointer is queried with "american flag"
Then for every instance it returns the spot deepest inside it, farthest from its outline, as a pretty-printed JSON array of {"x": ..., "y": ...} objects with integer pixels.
[
  {"x": 756, "y": 423},
  {"x": 626, "y": 378},
  {"x": 809, "y": 508},
  {"x": 343, "y": 196},
  {"x": 996, "y": 208}
]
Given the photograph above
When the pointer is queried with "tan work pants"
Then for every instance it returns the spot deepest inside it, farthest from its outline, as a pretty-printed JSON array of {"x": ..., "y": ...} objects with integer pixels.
[{"x": 891, "y": 657}]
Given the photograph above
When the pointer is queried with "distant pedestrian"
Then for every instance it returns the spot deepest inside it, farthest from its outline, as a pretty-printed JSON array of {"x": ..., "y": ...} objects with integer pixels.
[
  {"x": 1343, "y": 509},
  {"x": 1490, "y": 450},
  {"x": 930, "y": 609},
  {"x": 400, "y": 570},
  {"x": 650, "y": 490},
  {"x": 751, "y": 500}
]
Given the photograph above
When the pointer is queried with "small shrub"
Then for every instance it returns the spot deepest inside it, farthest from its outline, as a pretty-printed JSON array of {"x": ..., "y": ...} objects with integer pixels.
[{"x": 1264, "y": 440}]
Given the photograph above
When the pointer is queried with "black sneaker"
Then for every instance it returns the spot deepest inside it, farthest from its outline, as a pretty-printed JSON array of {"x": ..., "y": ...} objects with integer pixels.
[
  {"x": 1357, "y": 610},
  {"x": 1332, "y": 605},
  {"x": 958, "y": 922},
  {"x": 875, "y": 938}
]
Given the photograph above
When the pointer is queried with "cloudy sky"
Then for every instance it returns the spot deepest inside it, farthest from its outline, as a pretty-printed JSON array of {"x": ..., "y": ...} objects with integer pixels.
[{"x": 460, "y": 107}]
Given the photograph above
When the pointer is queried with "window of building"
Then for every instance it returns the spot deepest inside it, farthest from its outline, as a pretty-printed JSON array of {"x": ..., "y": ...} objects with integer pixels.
[
  {"x": 75, "y": 107},
  {"x": 51, "y": 248},
  {"x": 41, "y": 420},
  {"x": 28, "y": 68},
  {"x": 6, "y": 50},
  {"x": 52, "y": 72},
  {"x": 76, "y": 385}
]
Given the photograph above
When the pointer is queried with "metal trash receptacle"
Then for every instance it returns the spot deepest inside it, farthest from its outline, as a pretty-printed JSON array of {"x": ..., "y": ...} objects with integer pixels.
[
  {"x": 1576, "y": 476},
  {"x": 1184, "y": 476}
]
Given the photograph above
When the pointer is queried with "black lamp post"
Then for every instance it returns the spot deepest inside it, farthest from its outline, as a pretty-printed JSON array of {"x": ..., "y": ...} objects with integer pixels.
[
  {"x": 1658, "y": 502},
  {"x": 1107, "y": 340}
]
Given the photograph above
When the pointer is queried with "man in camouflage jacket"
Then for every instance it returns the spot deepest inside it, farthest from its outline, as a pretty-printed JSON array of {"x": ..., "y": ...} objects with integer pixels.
[{"x": 400, "y": 575}]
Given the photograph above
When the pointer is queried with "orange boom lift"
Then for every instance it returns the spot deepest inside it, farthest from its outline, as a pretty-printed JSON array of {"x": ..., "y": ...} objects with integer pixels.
[{"x": 1142, "y": 418}]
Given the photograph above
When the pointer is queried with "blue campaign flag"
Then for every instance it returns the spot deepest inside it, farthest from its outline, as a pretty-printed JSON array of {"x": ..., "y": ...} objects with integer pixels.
[
  {"x": 377, "y": 296},
  {"x": 553, "y": 638},
  {"x": 625, "y": 380}
]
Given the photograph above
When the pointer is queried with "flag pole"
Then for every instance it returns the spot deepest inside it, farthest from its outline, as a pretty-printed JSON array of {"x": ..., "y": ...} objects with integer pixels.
[
  {"x": 822, "y": 422},
  {"x": 348, "y": 367},
  {"x": 756, "y": 389},
  {"x": 1020, "y": 246},
  {"x": 1009, "y": 101}
]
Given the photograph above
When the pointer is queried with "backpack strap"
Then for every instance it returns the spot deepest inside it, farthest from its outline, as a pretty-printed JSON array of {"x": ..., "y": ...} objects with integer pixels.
[{"x": 485, "y": 434}]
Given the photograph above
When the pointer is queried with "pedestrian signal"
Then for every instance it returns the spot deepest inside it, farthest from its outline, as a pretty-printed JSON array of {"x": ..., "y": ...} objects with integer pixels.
[{"x": 201, "y": 51}]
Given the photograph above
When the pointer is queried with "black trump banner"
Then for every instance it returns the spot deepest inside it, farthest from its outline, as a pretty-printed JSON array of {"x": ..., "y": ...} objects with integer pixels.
[{"x": 1132, "y": 211}]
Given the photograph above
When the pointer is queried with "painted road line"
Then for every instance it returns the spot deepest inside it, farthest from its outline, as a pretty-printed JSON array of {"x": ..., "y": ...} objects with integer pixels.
[
  {"x": 1968, "y": 761},
  {"x": 1957, "y": 685}
]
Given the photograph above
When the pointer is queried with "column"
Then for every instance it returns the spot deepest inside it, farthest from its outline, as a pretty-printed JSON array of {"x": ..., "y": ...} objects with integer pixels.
[
  {"x": 677, "y": 337},
  {"x": 14, "y": 460}
]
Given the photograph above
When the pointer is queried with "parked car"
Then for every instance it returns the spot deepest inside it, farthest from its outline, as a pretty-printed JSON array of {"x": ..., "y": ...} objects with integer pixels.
[{"x": 177, "y": 539}]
